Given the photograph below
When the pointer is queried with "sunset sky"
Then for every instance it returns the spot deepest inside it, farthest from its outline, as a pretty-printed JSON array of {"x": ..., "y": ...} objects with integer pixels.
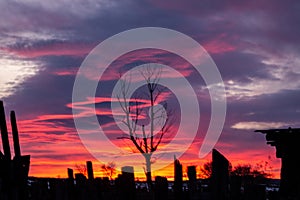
[{"x": 254, "y": 44}]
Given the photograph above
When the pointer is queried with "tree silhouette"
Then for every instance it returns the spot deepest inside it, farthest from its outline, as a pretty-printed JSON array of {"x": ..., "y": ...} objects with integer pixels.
[
  {"x": 247, "y": 170},
  {"x": 109, "y": 169},
  {"x": 242, "y": 170},
  {"x": 206, "y": 170},
  {"x": 145, "y": 139},
  {"x": 81, "y": 168}
]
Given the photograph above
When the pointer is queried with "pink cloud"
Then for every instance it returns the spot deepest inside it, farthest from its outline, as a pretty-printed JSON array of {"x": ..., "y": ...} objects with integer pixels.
[
  {"x": 65, "y": 72},
  {"x": 219, "y": 45}
]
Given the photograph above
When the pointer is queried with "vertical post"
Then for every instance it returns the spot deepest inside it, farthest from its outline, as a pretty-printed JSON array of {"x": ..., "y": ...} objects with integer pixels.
[
  {"x": 70, "y": 185},
  {"x": 177, "y": 179},
  {"x": 15, "y": 133},
  {"x": 70, "y": 174},
  {"x": 128, "y": 191},
  {"x": 90, "y": 172},
  {"x": 4, "y": 133},
  {"x": 161, "y": 188},
  {"x": 192, "y": 184},
  {"x": 219, "y": 176}
]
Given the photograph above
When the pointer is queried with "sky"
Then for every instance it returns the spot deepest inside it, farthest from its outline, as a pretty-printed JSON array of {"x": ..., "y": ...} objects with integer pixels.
[{"x": 254, "y": 44}]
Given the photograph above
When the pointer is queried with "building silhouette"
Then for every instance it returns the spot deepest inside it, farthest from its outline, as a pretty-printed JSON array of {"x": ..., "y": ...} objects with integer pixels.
[{"x": 286, "y": 142}]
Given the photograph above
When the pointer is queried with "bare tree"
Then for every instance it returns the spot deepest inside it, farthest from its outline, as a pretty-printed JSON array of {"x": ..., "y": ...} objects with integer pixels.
[
  {"x": 109, "y": 169},
  {"x": 247, "y": 170},
  {"x": 81, "y": 168},
  {"x": 242, "y": 170},
  {"x": 143, "y": 138},
  {"x": 206, "y": 170}
]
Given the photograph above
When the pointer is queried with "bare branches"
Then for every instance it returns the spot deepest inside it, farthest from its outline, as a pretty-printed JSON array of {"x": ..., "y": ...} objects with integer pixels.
[
  {"x": 80, "y": 168},
  {"x": 125, "y": 105},
  {"x": 151, "y": 77},
  {"x": 109, "y": 169},
  {"x": 144, "y": 137}
]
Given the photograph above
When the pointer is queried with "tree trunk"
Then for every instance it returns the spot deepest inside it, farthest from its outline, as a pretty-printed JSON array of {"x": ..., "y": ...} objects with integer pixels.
[{"x": 148, "y": 170}]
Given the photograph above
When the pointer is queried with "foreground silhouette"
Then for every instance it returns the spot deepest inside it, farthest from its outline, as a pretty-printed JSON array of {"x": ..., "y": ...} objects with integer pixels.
[
  {"x": 222, "y": 185},
  {"x": 13, "y": 172},
  {"x": 286, "y": 142}
]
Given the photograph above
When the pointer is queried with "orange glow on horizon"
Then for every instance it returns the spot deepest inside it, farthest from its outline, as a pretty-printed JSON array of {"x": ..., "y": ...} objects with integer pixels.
[
  {"x": 54, "y": 147},
  {"x": 52, "y": 154},
  {"x": 50, "y": 169}
]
